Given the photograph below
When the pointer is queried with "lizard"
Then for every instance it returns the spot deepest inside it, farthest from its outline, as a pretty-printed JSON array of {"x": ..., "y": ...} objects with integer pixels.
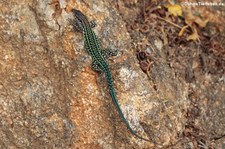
[{"x": 81, "y": 24}]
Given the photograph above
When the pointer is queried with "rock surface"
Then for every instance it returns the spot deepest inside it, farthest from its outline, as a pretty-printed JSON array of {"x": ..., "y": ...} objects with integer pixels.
[{"x": 51, "y": 98}]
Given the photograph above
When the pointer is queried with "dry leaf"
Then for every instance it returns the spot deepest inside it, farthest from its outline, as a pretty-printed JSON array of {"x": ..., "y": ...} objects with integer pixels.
[
  {"x": 190, "y": 19},
  {"x": 182, "y": 30},
  {"x": 174, "y": 10},
  {"x": 200, "y": 22},
  {"x": 194, "y": 36}
]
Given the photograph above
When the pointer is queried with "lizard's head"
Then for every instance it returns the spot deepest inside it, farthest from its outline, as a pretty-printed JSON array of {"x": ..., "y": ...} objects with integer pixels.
[{"x": 79, "y": 16}]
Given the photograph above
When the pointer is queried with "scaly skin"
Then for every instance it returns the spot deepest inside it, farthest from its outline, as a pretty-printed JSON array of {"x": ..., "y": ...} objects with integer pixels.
[{"x": 81, "y": 24}]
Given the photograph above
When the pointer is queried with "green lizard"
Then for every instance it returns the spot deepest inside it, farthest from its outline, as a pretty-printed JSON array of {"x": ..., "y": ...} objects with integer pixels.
[{"x": 81, "y": 24}]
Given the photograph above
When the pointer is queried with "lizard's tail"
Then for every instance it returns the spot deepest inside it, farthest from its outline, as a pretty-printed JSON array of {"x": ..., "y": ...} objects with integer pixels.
[{"x": 112, "y": 93}]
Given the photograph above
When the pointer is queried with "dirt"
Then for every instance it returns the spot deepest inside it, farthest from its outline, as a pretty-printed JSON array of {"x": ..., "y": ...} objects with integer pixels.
[{"x": 201, "y": 63}]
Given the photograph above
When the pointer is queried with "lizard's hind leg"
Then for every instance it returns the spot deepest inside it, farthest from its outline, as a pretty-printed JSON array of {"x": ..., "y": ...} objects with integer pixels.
[
  {"x": 95, "y": 66},
  {"x": 109, "y": 52}
]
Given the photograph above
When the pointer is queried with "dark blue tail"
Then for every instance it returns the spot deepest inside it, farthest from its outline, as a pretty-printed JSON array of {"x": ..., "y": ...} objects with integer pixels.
[{"x": 113, "y": 95}]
